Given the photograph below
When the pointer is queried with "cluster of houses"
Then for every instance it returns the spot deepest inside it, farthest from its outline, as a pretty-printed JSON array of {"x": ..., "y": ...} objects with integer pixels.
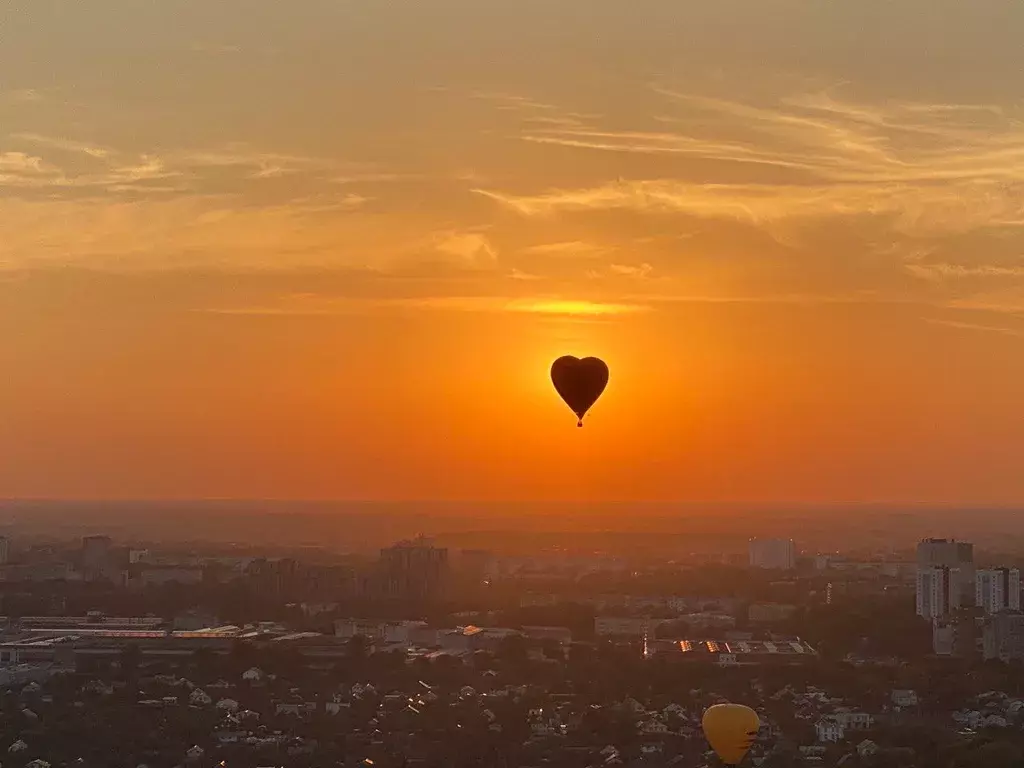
[{"x": 330, "y": 719}]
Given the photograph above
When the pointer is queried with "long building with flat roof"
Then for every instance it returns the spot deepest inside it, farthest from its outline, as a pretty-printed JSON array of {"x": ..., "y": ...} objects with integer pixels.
[{"x": 790, "y": 651}]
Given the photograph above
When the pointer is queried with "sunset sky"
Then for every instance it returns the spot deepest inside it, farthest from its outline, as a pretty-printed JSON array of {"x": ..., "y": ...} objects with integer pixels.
[{"x": 329, "y": 249}]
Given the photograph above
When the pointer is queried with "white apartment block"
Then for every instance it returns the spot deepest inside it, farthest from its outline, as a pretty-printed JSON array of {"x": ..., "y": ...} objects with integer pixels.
[
  {"x": 938, "y": 591},
  {"x": 997, "y": 589}
]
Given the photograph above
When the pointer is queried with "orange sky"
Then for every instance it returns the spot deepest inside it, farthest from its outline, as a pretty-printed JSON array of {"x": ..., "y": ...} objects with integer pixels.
[{"x": 248, "y": 251}]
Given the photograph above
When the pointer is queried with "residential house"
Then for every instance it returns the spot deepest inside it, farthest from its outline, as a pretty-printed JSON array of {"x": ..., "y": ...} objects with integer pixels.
[
  {"x": 904, "y": 698},
  {"x": 829, "y": 730}
]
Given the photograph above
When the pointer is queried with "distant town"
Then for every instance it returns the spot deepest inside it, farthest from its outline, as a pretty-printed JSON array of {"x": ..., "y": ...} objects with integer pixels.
[{"x": 428, "y": 656}]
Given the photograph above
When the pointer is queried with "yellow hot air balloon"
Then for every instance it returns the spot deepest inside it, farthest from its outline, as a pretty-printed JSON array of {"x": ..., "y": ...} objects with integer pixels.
[{"x": 730, "y": 730}]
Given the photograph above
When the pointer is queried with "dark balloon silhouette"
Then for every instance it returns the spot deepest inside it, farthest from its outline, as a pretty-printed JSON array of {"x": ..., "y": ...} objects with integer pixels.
[{"x": 579, "y": 382}]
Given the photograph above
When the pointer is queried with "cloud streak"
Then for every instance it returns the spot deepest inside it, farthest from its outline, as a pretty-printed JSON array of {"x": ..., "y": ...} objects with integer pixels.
[
  {"x": 931, "y": 168},
  {"x": 976, "y": 327},
  {"x": 939, "y": 271},
  {"x": 215, "y": 233},
  {"x": 920, "y": 211},
  {"x": 67, "y": 202},
  {"x": 319, "y": 305},
  {"x": 70, "y": 168},
  {"x": 567, "y": 248},
  {"x": 472, "y": 249},
  {"x": 65, "y": 145}
]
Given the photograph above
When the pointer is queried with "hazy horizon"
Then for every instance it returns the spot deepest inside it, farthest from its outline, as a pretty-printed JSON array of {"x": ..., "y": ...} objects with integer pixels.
[{"x": 666, "y": 529}]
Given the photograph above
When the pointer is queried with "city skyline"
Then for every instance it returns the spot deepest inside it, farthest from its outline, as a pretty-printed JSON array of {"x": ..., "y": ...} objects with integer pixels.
[
  {"x": 593, "y": 384},
  {"x": 330, "y": 251}
]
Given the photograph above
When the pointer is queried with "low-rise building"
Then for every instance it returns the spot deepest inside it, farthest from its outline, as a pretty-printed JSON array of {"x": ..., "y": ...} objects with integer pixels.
[
  {"x": 635, "y": 627},
  {"x": 904, "y": 698},
  {"x": 829, "y": 730},
  {"x": 769, "y": 612},
  {"x": 853, "y": 720}
]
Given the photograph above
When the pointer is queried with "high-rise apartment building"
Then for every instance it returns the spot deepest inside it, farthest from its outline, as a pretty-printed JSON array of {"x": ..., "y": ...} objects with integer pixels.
[
  {"x": 5, "y": 550},
  {"x": 938, "y": 592},
  {"x": 95, "y": 552},
  {"x": 414, "y": 570},
  {"x": 775, "y": 554},
  {"x": 958, "y": 557},
  {"x": 1003, "y": 637},
  {"x": 956, "y": 635},
  {"x": 997, "y": 589},
  {"x": 947, "y": 552}
]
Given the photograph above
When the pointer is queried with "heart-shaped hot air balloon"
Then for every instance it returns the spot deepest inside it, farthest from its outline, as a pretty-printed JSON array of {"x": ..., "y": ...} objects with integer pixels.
[
  {"x": 579, "y": 382},
  {"x": 730, "y": 730}
]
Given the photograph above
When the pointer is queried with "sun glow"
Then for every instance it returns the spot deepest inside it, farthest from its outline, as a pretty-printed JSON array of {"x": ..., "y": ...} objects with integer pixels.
[{"x": 562, "y": 307}]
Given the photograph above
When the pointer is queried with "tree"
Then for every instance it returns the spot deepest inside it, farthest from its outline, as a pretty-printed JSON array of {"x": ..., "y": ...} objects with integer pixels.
[
  {"x": 206, "y": 662},
  {"x": 995, "y": 754},
  {"x": 243, "y": 655},
  {"x": 553, "y": 650},
  {"x": 131, "y": 658},
  {"x": 357, "y": 648},
  {"x": 512, "y": 651}
]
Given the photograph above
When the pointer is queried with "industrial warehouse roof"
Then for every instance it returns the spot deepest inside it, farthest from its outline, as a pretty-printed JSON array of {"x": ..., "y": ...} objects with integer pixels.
[{"x": 737, "y": 647}]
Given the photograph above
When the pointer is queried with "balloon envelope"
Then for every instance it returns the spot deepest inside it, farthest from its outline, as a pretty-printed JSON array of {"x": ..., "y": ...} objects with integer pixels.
[
  {"x": 579, "y": 382},
  {"x": 730, "y": 730}
]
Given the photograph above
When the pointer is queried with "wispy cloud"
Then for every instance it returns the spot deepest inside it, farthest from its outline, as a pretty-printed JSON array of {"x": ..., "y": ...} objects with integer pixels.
[
  {"x": 538, "y": 306},
  {"x": 652, "y": 143},
  {"x": 914, "y": 211},
  {"x": 1009, "y": 300},
  {"x": 534, "y": 112},
  {"x": 65, "y": 145},
  {"x": 370, "y": 177},
  {"x": 71, "y": 202},
  {"x": 976, "y": 327},
  {"x": 570, "y": 248},
  {"x": 319, "y": 305},
  {"x": 631, "y": 270},
  {"x": 21, "y": 163},
  {"x": 518, "y": 274},
  {"x": 183, "y": 232},
  {"x": 22, "y": 172},
  {"x": 619, "y": 271},
  {"x": 472, "y": 249},
  {"x": 514, "y": 101},
  {"x": 931, "y": 168},
  {"x": 76, "y": 168},
  {"x": 944, "y": 271},
  {"x": 238, "y": 156},
  {"x": 810, "y": 299}
]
